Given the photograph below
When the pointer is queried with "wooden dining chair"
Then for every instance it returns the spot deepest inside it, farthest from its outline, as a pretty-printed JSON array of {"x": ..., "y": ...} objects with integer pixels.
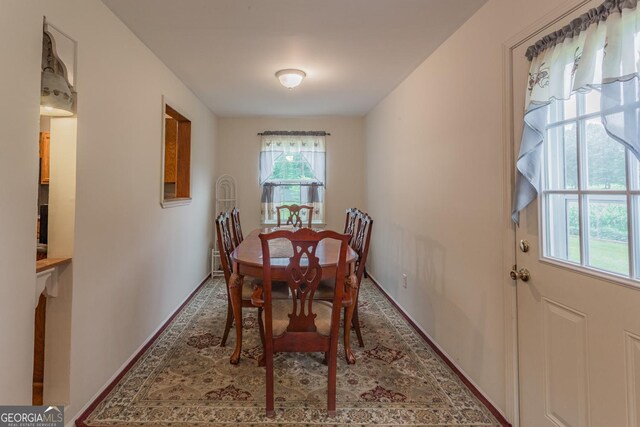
[
  {"x": 294, "y": 217},
  {"x": 225, "y": 248},
  {"x": 235, "y": 225},
  {"x": 359, "y": 243},
  {"x": 302, "y": 323}
]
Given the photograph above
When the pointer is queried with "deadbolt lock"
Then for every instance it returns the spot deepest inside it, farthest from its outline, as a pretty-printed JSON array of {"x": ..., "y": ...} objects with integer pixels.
[
  {"x": 519, "y": 274},
  {"x": 524, "y": 246}
]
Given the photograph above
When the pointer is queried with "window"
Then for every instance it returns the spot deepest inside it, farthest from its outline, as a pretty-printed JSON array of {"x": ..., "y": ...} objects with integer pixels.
[
  {"x": 591, "y": 191},
  {"x": 292, "y": 171},
  {"x": 581, "y": 141},
  {"x": 176, "y": 176}
]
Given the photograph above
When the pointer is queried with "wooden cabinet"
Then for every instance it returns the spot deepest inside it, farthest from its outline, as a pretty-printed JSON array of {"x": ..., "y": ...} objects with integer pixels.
[{"x": 44, "y": 157}]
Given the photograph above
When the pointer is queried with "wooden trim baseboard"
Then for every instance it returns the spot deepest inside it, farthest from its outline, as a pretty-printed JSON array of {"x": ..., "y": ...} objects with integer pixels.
[
  {"x": 494, "y": 411},
  {"x": 80, "y": 421}
]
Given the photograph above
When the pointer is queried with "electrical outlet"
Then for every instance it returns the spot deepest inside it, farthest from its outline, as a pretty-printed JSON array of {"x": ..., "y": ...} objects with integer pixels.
[{"x": 404, "y": 281}]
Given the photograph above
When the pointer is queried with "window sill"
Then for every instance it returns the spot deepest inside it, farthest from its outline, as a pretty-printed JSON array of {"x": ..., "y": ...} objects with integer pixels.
[{"x": 171, "y": 203}]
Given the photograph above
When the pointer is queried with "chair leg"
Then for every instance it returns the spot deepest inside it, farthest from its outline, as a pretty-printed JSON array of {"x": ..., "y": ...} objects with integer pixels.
[
  {"x": 235, "y": 291},
  {"x": 348, "y": 316},
  {"x": 261, "y": 360},
  {"x": 331, "y": 389},
  {"x": 269, "y": 382},
  {"x": 227, "y": 326},
  {"x": 356, "y": 324}
]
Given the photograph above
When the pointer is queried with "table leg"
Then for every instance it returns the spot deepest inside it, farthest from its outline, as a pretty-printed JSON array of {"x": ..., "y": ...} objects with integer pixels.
[
  {"x": 235, "y": 291},
  {"x": 352, "y": 286}
]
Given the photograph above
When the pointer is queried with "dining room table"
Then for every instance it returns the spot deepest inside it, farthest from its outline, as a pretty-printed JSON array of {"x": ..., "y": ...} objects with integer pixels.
[{"x": 247, "y": 261}]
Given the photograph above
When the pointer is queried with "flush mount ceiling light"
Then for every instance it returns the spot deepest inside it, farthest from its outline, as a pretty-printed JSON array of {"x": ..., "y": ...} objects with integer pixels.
[
  {"x": 56, "y": 93},
  {"x": 290, "y": 78}
]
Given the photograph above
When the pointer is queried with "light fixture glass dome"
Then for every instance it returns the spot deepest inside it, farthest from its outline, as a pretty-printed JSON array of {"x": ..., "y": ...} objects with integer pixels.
[
  {"x": 290, "y": 78},
  {"x": 56, "y": 98}
]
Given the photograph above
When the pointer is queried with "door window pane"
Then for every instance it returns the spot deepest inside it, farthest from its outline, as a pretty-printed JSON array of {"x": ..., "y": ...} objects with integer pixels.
[
  {"x": 605, "y": 159},
  {"x": 592, "y": 101},
  {"x": 591, "y": 191},
  {"x": 634, "y": 172},
  {"x": 563, "y": 227},
  {"x": 608, "y": 245},
  {"x": 569, "y": 107},
  {"x": 635, "y": 209},
  {"x": 562, "y": 158}
]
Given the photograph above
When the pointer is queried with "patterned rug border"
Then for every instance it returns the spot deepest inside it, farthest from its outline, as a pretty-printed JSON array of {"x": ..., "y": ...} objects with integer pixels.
[
  {"x": 477, "y": 393},
  {"x": 406, "y": 330}
]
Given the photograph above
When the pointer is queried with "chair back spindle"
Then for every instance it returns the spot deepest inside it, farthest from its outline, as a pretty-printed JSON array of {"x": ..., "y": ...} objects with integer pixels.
[
  {"x": 236, "y": 226},
  {"x": 225, "y": 244},
  {"x": 351, "y": 222},
  {"x": 360, "y": 242}
]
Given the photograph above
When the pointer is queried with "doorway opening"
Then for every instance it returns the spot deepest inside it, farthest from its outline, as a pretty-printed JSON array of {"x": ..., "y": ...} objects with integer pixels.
[{"x": 55, "y": 219}]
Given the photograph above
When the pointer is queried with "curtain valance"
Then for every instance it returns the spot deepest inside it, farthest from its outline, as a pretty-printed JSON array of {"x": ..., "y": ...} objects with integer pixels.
[
  {"x": 575, "y": 27},
  {"x": 598, "y": 51},
  {"x": 293, "y": 143},
  {"x": 311, "y": 147},
  {"x": 295, "y": 133}
]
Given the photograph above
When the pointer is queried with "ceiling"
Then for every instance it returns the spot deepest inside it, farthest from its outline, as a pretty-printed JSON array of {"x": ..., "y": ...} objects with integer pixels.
[{"x": 353, "y": 51}]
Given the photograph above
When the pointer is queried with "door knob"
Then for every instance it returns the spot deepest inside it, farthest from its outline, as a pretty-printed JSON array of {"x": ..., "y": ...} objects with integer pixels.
[{"x": 519, "y": 274}]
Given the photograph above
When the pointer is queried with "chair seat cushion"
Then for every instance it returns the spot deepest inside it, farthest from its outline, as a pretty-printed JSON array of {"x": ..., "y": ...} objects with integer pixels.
[
  {"x": 280, "y": 318},
  {"x": 279, "y": 290}
]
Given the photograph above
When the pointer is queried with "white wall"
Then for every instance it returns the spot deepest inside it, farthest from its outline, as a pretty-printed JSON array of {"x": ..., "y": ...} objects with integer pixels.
[
  {"x": 19, "y": 121},
  {"x": 435, "y": 179},
  {"x": 238, "y": 155},
  {"x": 62, "y": 186},
  {"x": 134, "y": 262}
]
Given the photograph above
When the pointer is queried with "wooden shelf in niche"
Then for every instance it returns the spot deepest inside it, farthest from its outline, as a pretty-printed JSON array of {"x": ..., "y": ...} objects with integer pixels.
[
  {"x": 177, "y": 157},
  {"x": 45, "y": 141},
  {"x": 170, "y": 150}
]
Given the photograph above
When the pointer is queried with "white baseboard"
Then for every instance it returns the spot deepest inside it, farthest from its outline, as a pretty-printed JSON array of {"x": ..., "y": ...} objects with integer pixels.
[
  {"x": 450, "y": 359},
  {"x": 71, "y": 423}
]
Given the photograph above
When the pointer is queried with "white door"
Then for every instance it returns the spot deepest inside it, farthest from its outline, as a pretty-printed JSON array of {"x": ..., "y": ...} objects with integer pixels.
[{"x": 579, "y": 323}]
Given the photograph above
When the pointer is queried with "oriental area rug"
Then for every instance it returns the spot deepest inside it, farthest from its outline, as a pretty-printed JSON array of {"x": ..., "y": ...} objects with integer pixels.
[{"x": 185, "y": 378}]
